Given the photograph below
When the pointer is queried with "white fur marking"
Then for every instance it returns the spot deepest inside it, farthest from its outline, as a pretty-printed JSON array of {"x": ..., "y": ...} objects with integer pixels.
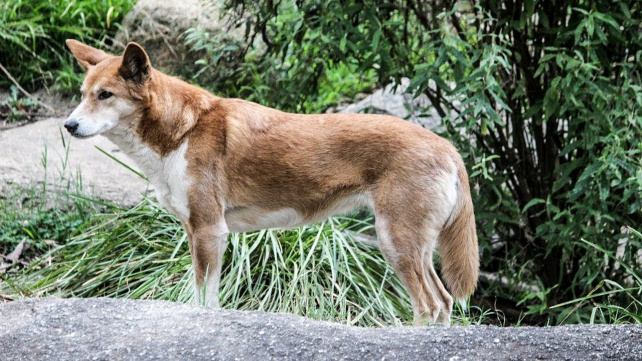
[
  {"x": 208, "y": 293},
  {"x": 345, "y": 205},
  {"x": 384, "y": 239},
  {"x": 255, "y": 218},
  {"x": 104, "y": 119},
  {"x": 107, "y": 114},
  {"x": 168, "y": 175},
  {"x": 174, "y": 173},
  {"x": 451, "y": 194}
]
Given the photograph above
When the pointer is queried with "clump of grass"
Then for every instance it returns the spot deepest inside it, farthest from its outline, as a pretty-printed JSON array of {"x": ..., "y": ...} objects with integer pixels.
[
  {"x": 116, "y": 256},
  {"x": 40, "y": 217},
  {"x": 317, "y": 271},
  {"x": 32, "y": 34},
  {"x": 610, "y": 301}
]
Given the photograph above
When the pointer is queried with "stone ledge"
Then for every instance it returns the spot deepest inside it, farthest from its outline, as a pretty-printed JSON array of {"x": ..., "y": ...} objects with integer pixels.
[{"x": 111, "y": 329}]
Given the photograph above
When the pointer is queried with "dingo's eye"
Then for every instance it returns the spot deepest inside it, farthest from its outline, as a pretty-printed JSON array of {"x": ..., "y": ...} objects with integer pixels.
[{"x": 104, "y": 95}]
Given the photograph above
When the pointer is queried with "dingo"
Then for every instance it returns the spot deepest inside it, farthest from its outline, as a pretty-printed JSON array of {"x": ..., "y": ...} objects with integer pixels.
[{"x": 229, "y": 165}]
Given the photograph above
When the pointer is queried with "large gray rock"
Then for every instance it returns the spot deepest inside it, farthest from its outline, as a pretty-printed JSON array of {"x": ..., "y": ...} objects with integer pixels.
[
  {"x": 393, "y": 99},
  {"x": 160, "y": 26},
  {"x": 108, "y": 329}
]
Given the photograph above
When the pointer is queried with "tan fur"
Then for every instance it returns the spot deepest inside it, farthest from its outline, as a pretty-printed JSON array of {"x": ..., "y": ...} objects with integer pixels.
[
  {"x": 459, "y": 269},
  {"x": 250, "y": 166}
]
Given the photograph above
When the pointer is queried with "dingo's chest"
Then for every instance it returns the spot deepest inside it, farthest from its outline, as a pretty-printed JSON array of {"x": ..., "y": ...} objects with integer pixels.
[{"x": 167, "y": 174}]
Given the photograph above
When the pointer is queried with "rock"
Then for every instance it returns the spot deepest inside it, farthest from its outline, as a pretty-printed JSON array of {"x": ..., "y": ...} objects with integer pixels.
[
  {"x": 110, "y": 329},
  {"x": 394, "y": 100},
  {"x": 160, "y": 26}
]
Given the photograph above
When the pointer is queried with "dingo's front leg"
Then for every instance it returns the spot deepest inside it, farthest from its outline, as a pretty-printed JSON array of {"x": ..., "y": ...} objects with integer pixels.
[{"x": 207, "y": 245}]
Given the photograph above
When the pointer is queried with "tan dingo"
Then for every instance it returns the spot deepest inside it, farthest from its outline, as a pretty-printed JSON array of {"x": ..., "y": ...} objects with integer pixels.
[{"x": 229, "y": 165}]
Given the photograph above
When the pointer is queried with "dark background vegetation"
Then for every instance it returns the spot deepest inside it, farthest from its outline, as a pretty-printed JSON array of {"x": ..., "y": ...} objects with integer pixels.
[{"x": 542, "y": 98}]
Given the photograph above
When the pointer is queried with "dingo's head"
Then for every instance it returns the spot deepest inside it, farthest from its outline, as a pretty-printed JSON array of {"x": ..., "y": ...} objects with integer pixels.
[{"x": 113, "y": 89}]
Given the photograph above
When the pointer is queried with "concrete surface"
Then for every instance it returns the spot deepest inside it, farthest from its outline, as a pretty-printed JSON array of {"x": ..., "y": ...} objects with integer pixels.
[
  {"x": 23, "y": 150},
  {"x": 108, "y": 329}
]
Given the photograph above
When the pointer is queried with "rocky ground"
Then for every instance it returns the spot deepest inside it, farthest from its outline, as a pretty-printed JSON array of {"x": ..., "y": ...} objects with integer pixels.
[{"x": 107, "y": 329}]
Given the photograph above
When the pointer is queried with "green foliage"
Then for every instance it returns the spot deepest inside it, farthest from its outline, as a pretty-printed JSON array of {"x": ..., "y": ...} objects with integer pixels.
[
  {"x": 614, "y": 303},
  {"x": 25, "y": 216},
  {"x": 16, "y": 108},
  {"x": 542, "y": 97},
  {"x": 302, "y": 81},
  {"x": 33, "y": 33},
  {"x": 565, "y": 123}
]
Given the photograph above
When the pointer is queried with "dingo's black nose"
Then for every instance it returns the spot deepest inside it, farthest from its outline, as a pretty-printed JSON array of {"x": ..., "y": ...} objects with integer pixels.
[{"x": 71, "y": 126}]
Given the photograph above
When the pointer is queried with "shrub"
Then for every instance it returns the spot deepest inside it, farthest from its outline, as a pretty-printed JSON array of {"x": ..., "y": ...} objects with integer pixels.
[{"x": 302, "y": 81}]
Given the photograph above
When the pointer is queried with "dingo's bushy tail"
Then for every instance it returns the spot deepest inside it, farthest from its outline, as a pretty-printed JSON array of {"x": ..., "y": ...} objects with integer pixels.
[{"x": 458, "y": 245}]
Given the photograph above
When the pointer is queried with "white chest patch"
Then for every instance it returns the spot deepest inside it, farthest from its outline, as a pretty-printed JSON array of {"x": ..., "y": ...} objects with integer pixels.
[
  {"x": 172, "y": 183},
  {"x": 168, "y": 175}
]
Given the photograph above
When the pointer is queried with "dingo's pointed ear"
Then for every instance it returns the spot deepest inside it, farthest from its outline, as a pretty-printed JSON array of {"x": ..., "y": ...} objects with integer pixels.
[
  {"x": 135, "y": 66},
  {"x": 85, "y": 54}
]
